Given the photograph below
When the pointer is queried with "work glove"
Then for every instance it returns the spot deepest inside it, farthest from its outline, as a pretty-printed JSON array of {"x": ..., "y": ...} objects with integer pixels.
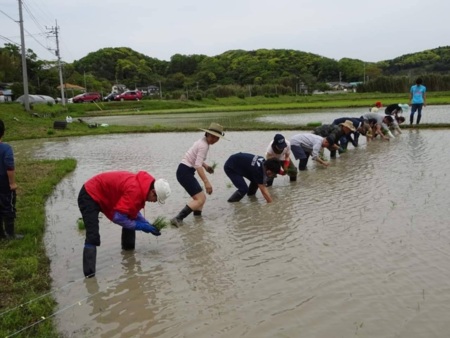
[{"x": 147, "y": 228}]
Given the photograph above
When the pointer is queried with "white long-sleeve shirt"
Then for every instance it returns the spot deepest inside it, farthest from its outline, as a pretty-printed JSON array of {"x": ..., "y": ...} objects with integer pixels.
[{"x": 311, "y": 143}]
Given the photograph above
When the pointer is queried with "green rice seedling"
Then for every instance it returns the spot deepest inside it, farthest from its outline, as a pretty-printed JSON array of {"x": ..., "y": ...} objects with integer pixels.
[
  {"x": 323, "y": 157},
  {"x": 80, "y": 224},
  {"x": 314, "y": 124},
  {"x": 214, "y": 165},
  {"x": 229, "y": 185},
  {"x": 160, "y": 222}
]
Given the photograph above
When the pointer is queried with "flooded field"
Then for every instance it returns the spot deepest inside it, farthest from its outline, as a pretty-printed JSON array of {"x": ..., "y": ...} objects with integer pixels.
[
  {"x": 358, "y": 249},
  {"x": 430, "y": 114}
]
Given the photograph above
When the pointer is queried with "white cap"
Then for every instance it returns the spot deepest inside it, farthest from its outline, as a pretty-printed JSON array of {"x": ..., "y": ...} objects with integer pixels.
[
  {"x": 162, "y": 189},
  {"x": 404, "y": 107}
]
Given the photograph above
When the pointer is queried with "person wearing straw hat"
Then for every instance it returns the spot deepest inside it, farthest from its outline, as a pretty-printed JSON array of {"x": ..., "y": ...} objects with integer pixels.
[
  {"x": 119, "y": 195},
  {"x": 336, "y": 132},
  {"x": 347, "y": 127},
  {"x": 194, "y": 161}
]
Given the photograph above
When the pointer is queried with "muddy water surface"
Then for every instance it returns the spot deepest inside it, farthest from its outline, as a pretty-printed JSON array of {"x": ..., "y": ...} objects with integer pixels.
[
  {"x": 359, "y": 249},
  {"x": 430, "y": 114}
]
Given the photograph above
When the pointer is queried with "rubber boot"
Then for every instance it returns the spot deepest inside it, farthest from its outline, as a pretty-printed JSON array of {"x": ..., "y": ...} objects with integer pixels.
[
  {"x": 333, "y": 153},
  {"x": 252, "y": 189},
  {"x": 269, "y": 182},
  {"x": 293, "y": 178},
  {"x": 197, "y": 212},
  {"x": 9, "y": 229},
  {"x": 2, "y": 231},
  {"x": 89, "y": 260},
  {"x": 411, "y": 119},
  {"x": 418, "y": 119},
  {"x": 302, "y": 164},
  {"x": 236, "y": 197},
  {"x": 178, "y": 219},
  {"x": 128, "y": 239}
]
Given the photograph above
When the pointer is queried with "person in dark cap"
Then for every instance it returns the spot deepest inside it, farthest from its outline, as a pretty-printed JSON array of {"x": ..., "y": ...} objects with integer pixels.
[
  {"x": 305, "y": 145},
  {"x": 193, "y": 162},
  {"x": 255, "y": 169},
  {"x": 280, "y": 149}
]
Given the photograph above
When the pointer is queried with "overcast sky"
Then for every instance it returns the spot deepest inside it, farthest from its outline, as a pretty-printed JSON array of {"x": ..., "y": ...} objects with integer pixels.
[{"x": 360, "y": 29}]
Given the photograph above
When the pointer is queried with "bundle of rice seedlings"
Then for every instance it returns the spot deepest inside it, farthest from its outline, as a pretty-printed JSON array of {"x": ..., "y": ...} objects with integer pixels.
[
  {"x": 160, "y": 222},
  {"x": 80, "y": 224},
  {"x": 214, "y": 165},
  {"x": 322, "y": 156}
]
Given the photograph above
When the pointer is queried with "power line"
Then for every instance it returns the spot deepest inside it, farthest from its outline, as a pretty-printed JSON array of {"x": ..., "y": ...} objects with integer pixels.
[
  {"x": 9, "y": 40},
  {"x": 8, "y": 16}
]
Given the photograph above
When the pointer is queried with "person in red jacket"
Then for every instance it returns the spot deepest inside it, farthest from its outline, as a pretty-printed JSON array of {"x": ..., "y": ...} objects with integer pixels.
[{"x": 119, "y": 195}]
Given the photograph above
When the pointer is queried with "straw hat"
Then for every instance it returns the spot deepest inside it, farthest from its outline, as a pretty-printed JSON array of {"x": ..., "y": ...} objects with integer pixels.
[
  {"x": 215, "y": 129},
  {"x": 349, "y": 125}
]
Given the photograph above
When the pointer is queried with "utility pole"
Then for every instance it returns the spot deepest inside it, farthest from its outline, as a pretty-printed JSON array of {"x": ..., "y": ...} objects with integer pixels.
[
  {"x": 26, "y": 99},
  {"x": 54, "y": 31}
]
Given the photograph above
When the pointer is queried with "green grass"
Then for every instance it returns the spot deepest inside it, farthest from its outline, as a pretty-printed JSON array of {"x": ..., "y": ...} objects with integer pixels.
[{"x": 24, "y": 266}]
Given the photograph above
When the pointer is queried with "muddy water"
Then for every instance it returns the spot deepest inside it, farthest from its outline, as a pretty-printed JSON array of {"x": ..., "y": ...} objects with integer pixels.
[
  {"x": 430, "y": 114},
  {"x": 359, "y": 249}
]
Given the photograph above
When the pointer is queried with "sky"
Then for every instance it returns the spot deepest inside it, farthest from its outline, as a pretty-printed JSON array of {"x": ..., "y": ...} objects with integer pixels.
[{"x": 367, "y": 30}]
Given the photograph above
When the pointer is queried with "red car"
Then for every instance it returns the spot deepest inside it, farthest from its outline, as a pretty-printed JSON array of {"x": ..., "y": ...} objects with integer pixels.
[
  {"x": 87, "y": 97},
  {"x": 133, "y": 95}
]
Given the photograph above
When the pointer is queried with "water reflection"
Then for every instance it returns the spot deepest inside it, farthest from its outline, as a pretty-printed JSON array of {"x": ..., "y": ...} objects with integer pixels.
[
  {"x": 361, "y": 246},
  {"x": 430, "y": 114}
]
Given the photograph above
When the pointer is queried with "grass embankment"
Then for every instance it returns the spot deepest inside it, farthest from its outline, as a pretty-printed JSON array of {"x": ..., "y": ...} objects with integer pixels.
[{"x": 24, "y": 266}]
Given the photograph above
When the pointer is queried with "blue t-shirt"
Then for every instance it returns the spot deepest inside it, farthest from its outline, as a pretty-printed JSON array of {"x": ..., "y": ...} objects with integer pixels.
[
  {"x": 418, "y": 92},
  {"x": 6, "y": 163},
  {"x": 249, "y": 166}
]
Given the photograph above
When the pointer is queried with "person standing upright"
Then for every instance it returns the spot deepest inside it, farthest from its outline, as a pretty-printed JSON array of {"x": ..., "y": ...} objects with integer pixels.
[
  {"x": 192, "y": 162},
  {"x": 418, "y": 97},
  {"x": 8, "y": 189}
]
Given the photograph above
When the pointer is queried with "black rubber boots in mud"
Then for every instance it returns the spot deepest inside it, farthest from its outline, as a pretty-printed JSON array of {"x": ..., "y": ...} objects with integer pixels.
[
  {"x": 89, "y": 260},
  {"x": 128, "y": 239},
  {"x": 236, "y": 197}
]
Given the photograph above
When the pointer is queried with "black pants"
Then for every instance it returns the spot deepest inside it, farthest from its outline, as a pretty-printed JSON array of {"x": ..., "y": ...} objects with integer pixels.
[
  {"x": 90, "y": 211},
  {"x": 7, "y": 213}
]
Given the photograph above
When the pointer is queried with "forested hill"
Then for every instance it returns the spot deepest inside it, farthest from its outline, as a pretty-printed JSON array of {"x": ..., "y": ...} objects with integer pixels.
[
  {"x": 254, "y": 67},
  {"x": 283, "y": 67}
]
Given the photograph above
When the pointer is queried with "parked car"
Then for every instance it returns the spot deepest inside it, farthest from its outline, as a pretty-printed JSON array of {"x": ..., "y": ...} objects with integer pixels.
[
  {"x": 87, "y": 97},
  {"x": 134, "y": 95},
  {"x": 110, "y": 96}
]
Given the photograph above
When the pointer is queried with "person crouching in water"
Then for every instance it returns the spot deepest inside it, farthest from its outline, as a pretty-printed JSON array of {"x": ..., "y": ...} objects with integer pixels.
[
  {"x": 192, "y": 162},
  {"x": 280, "y": 149},
  {"x": 255, "y": 169},
  {"x": 119, "y": 195}
]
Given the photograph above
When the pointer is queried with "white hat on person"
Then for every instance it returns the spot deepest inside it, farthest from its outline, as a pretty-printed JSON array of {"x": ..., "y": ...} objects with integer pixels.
[{"x": 162, "y": 189}]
